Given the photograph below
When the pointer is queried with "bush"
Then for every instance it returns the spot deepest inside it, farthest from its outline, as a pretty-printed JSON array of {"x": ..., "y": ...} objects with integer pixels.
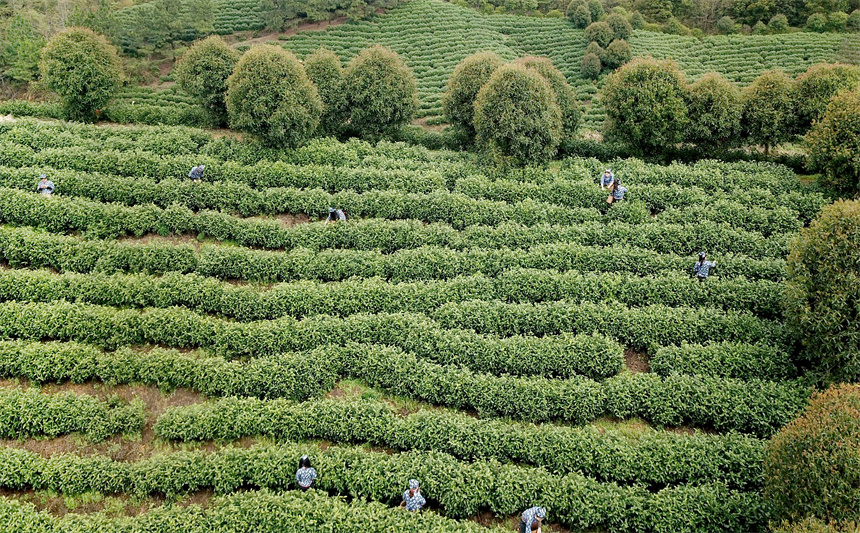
[
  {"x": 833, "y": 143},
  {"x": 853, "y": 22},
  {"x": 645, "y": 105},
  {"x": 768, "y": 109},
  {"x": 580, "y": 17},
  {"x": 811, "y": 464},
  {"x": 571, "y": 110},
  {"x": 815, "y": 525},
  {"x": 517, "y": 115},
  {"x": 837, "y": 21},
  {"x": 726, "y": 25},
  {"x": 674, "y": 27},
  {"x": 778, "y": 24},
  {"x": 599, "y": 32},
  {"x": 271, "y": 97},
  {"x": 594, "y": 48},
  {"x": 821, "y": 291},
  {"x": 203, "y": 71},
  {"x": 817, "y": 22},
  {"x": 637, "y": 21},
  {"x": 618, "y": 53},
  {"x": 324, "y": 69},
  {"x": 621, "y": 28},
  {"x": 716, "y": 104},
  {"x": 382, "y": 94},
  {"x": 458, "y": 101},
  {"x": 83, "y": 68},
  {"x": 596, "y": 9},
  {"x": 814, "y": 89},
  {"x": 724, "y": 359}
]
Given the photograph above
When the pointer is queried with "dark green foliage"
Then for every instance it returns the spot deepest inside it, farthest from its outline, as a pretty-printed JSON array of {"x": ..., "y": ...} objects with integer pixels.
[
  {"x": 778, "y": 24},
  {"x": 822, "y": 292},
  {"x": 517, "y": 115},
  {"x": 620, "y": 26},
  {"x": 83, "y": 68},
  {"x": 726, "y": 25},
  {"x": 590, "y": 66},
  {"x": 617, "y": 53},
  {"x": 203, "y": 71},
  {"x": 853, "y": 22},
  {"x": 596, "y": 49},
  {"x": 571, "y": 109},
  {"x": 580, "y": 17},
  {"x": 716, "y": 107},
  {"x": 834, "y": 142},
  {"x": 600, "y": 32},
  {"x": 596, "y": 9},
  {"x": 458, "y": 101},
  {"x": 271, "y": 97},
  {"x": 19, "y": 49},
  {"x": 814, "y": 88},
  {"x": 811, "y": 464},
  {"x": 724, "y": 359},
  {"x": 768, "y": 109},
  {"x": 645, "y": 105},
  {"x": 383, "y": 92},
  {"x": 637, "y": 21},
  {"x": 325, "y": 70}
]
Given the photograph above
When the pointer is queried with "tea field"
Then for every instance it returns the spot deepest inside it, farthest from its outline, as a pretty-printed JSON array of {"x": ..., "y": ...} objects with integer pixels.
[{"x": 169, "y": 349}]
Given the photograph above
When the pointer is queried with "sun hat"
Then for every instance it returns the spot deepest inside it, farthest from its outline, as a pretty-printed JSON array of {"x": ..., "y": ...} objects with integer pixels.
[{"x": 413, "y": 483}]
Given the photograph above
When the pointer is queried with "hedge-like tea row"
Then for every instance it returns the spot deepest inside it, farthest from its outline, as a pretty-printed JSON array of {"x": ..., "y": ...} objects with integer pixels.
[
  {"x": 725, "y": 359},
  {"x": 457, "y": 488},
  {"x": 639, "y": 327},
  {"x": 289, "y": 375},
  {"x": 564, "y": 355},
  {"x": 373, "y": 295},
  {"x": 652, "y": 457},
  {"x": 24, "y": 247},
  {"x": 241, "y": 512},
  {"x": 29, "y": 413}
]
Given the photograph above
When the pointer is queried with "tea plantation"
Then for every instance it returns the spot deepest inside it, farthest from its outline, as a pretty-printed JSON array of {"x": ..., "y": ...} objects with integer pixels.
[{"x": 169, "y": 349}]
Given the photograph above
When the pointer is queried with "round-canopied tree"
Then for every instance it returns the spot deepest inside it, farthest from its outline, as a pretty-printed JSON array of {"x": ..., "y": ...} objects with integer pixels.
[
  {"x": 645, "y": 105},
  {"x": 822, "y": 291},
  {"x": 599, "y": 32},
  {"x": 382, "y": 92},
  {"x": 458, "y": 100},
  {"x": 203, "y": 71},
  {"x": 83, "y": 68},
  {"x": 517, "y": 116},
  {"x": 810, "y": 466},
  {"x": 768, "y": 103},
  {"x": 590, "y": 66},
  {"x": 579, "y": 15},
  {"x": 270, "y": 96},
  {"x": 814, "y": 88},
  {"x": 620, "y": 26},
  {"x": 325, "y": 70},
  {"x": 617, "y": 53},
  {"x": 715, "y": 104},
  {"x": 833, "y": 144},
  {"x": 571, "y": 110}
]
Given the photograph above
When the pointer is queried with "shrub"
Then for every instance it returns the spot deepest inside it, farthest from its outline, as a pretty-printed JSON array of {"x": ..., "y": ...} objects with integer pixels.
[
  {"x": 324, "y": 69},
  {"x": 621, "y": 28},
  {"x": 674, "y": 27},
  {"x": 599, "y": 32},
  {"x": 517, "y": 114},
  {"x": 833, "y": 144},
  {"x": 726, "y": 25},
  {"x": 822, "y": 291},
  {"x": 816, "y": 525},
  {"x": 382, "y": 92},
  {"x": 814, "y": 88},
  {"x": 203, "y": 71},
  {"x": 811, "y": 464},
  {"x": 817, "y": 22},
  {"x": 715, "y": 102},
  {"x": 853, "y": 22},
  {"x": 83, "y": 68},
  {"x": 645, "y": 106},
  {"x": 596, "y": 9},
  {"x": 837, "y": 21},
  {"x": 580, "y": 17},
  {"x": 778, "y": 24},
  {"x": 637, "y": 21},
  {"x": 594, "y": 48},
  {"x": 618, "y": 53},
  {"x": 458, "y": 101},
  {"x": 760, "y": 28},
  {"x": 271, "y": 97},
  {"x": 768, "y": 109},
  {"x": 571, "y": 110}
]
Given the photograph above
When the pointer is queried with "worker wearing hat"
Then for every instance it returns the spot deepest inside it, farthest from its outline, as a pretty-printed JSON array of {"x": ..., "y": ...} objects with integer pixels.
[
  {"x": 606, "y": 179},
  {"x": 532, "y": 517},
  {"x": 412, "y": 498},
  {"x": 702, "y": 267}
]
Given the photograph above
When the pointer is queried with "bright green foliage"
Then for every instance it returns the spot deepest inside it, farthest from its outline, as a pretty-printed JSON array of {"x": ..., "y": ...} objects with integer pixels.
[
  {"x": 599, "y": 32},
  {"x": 517, "y": 114},
  {"x": 571, "y": 110},
  {"x": 837, "y": 20},
  {"x": 714, "y": 103},
  {"x": 778, "y": 24},
  {"x": 326, "y": 72},
  {"x": 270, "y": 96},
  {"x": 768, "y": 109},
  {"x": 823, "y": 291},
  {"x": 811, "y": 464},
  {"x": 645, "y": 105},
  {"x": 19, "y": 49},
  {"x": 580, "y": 17},
  {"x": 834, "y": 144},
  {"x": 816, "y": 525},
  {"x": 814, "y": 88},
  {"x": 83, "y": 68},
  {"x": 383, "y": 92},
  {"x": 163, "y": 22},
  {"x": 621, "y": 28},
  {"x": 817, "y": 22},
  {"x": 203, "y": 71},
  {"x": 617, "y": 53},
  {"x": 458, "y": 102}
]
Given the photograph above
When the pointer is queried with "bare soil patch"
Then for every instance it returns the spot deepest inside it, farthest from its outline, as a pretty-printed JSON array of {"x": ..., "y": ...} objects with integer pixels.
[
  {"x": 636, "y": 362},
  {"x": 430, "y": 127}
]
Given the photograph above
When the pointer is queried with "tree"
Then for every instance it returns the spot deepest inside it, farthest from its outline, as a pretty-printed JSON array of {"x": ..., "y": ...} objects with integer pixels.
[
  {"x": 853, "y": 22},
  {"x": 637, "y": 21},
  {"x": 21, "y": 45},
  {"x": 645, "y": 105},
  {"x": 580, "y": 16},
  {"x": 101, "y": 18},
  {"x": 810, "y": 466},
  {"x": 814, "y": 88},
  {"x": 768, "y": 116},
  {"x": 571, "y": 110},
  {"x": 817, "y": 22},
  {"x": 778, "y": 24},
  {"x": 383, "y": 92},
  {"x": 83, "y": 68},
  {"x": 599, "y": 32},
  {"x": 822, "y": 292},
  {"x": 590, "y": 66},
  {"x": 517, "y": 116},
  {"x": 617, "y": 53},
  {"x": 621, "y": 28},
  {"x": 715, "y": 102},
  {"x": 458, "y": 101},
  {"x": 837, "y": 21},
  {"x": 326, "y": 72},
  {"x": 752, "y": 11},
  {"x": 203, "y": 71},
  {"x": 164, "y": 22},
  {"x": 726, "y": 25},
  {"x": 596, "y": 9},
  {"x": 833, "y": 144},
  {"x": 270, "y": 96}
]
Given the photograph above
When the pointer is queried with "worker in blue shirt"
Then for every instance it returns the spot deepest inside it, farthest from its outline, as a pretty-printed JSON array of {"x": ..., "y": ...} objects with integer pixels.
[
  {"x": 532, "y": 519},
  {"x": 412, "y": 498},
  {"x": 335, "y": 215},
  {"x": 701, "y": 268},
  {"x": 606, "y": 179}
]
